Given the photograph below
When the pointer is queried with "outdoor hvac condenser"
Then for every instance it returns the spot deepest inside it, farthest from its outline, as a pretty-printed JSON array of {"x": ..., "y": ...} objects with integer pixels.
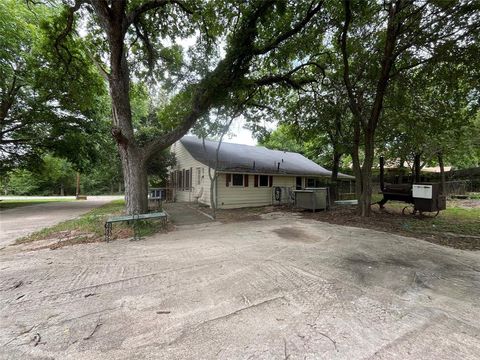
[{"x": 312, "y": 199}]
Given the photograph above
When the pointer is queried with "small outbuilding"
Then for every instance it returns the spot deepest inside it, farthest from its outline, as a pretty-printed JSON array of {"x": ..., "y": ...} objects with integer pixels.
[{"x": 246, "y": 175}]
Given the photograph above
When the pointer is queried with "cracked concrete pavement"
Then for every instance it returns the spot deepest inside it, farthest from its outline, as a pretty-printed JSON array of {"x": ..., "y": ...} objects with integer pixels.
[
  {"x": 21, "y": 221},
  {"x": 278, "y": 288}
]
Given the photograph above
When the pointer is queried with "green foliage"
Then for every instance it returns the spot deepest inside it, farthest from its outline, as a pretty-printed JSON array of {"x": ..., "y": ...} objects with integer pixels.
[
  {"x": 55, "y": 175},
  {"x": 431, "y": 112},
  {"x": 52, "y": 176},
  {"x": 158, "y": 166},
  {"x": 284, "y": 138},
  {"x": 47, "y": 104},
  {"x": 22, "y": 182}
]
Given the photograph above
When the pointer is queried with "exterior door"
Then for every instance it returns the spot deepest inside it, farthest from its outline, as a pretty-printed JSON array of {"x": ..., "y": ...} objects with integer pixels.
[{"x": 298, "y": 183}]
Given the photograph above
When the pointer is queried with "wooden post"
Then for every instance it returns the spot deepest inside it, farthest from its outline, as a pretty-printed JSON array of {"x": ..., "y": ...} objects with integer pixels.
[{"x": 77, "y": 192}]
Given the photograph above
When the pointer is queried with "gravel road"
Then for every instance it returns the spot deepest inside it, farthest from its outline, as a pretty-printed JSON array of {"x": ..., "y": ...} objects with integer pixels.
[{"x": 18, "y": 222}]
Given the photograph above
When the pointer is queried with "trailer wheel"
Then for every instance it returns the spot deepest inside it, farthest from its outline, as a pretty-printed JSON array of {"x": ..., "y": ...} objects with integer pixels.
[{"x": 431, "y": 215}]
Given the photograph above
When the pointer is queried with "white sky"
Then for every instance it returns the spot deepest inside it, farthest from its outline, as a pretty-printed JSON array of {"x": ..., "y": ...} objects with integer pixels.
[{"x": 238, "y": 134}]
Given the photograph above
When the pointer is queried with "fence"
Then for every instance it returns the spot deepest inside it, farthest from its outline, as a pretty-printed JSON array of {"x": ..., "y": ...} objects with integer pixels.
[{"x": 462, "y": 187}]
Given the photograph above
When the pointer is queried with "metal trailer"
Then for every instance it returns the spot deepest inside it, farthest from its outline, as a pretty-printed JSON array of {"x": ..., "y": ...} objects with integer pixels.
[
  {"x": 425, "y": 197},
  {"x": 312, "y": 198}
]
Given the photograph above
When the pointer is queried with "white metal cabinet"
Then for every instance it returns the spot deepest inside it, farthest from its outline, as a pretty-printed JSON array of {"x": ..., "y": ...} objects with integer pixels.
[{"x": 422, "y": 191}]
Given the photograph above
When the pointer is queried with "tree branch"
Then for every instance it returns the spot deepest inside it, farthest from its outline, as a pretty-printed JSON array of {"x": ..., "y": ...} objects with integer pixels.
[
  {"x": 133, "y": 16},
  {"x": 287, "y": 77},
  {"x": 312, "y": 10},
  {"x": 353, "y": 104},
  {"x": 218, "y": 83},
  {"x": 68, "y": 29},
  {"x": 388, "y": 59}
]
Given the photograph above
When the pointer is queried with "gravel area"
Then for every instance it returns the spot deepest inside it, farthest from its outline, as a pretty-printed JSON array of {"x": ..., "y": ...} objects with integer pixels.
[
  {"x": 278, "y": 288},
  {"x": 18, "y": 222}
]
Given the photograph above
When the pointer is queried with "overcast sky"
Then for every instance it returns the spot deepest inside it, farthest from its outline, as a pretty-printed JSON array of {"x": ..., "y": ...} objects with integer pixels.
[{"x": 240, "y": 134}]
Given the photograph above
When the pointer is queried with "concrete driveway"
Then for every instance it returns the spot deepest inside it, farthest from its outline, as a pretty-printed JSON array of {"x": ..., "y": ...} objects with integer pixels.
[
  {"x": 181, "y": 214},
  {"x": 18, "y": 222},
  {"x": 282, "y": 288}
]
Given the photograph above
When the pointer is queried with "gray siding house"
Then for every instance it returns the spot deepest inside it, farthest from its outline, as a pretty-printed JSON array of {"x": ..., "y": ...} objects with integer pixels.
[{"x": 247, "y": 175}]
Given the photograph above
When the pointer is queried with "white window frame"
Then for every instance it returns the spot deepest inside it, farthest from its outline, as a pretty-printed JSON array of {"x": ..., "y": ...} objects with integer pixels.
[
  {"x": 243, "y": 180},
  {"x": 199, "y": 176},
  {"x": 268, "y": 181}
]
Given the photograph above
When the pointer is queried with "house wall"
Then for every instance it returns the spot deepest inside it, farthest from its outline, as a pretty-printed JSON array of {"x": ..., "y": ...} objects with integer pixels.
[
  {"x": 236, "y": 197},
  {"x": 228, "y": 197},
  {"x": 186, "y": 161}
]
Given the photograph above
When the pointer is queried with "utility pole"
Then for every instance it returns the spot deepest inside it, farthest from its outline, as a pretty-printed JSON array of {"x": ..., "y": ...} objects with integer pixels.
[{"x": 79, "y": 197}]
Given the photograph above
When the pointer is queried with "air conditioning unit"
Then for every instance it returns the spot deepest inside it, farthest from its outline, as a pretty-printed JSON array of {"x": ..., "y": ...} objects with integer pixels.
[{"x": 312, "y": 199}]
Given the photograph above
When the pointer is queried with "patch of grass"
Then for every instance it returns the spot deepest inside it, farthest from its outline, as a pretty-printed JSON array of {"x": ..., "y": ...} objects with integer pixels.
[
  {"x": 453, "y": 220},
  {"x": 474, "y": 196},
  {"x": 89, "y": 227},
  {"x": 11, "y": 204}
]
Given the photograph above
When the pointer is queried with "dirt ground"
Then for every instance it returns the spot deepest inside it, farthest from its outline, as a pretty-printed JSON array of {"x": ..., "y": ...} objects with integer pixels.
[
  {"x": 441, "y": 230},
  {"x": 284, "y": 287},
  {"x": 446, "y": 230}
]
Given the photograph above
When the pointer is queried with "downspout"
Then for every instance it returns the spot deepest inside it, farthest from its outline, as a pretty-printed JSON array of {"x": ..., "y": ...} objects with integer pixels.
[{"x": 216, "y": 192}]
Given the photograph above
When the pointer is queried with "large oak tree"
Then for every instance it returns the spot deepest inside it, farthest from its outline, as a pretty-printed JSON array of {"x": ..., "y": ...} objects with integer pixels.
[{"x": 138, "y": 41}]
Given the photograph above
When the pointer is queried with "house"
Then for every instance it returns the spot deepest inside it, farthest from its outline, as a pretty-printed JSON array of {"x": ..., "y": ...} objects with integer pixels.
[{"x": 247, "y": 175}]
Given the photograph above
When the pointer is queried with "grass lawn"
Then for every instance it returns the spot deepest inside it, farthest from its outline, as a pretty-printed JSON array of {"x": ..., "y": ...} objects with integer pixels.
[
  {"x": 10, "y": 204},
  {"x": 89, "y": 228}
]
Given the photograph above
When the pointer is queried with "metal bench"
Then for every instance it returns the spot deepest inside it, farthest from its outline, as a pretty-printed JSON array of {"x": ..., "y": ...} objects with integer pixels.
[{"x": 135, "y": 218}]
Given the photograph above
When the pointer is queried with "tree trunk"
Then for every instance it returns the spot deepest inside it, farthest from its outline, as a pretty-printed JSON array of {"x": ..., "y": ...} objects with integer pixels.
[
  {"x": 334, "y": 179},
  {"x": 366, "y": 194},
  {"x": 77, "y": 190},
  {"x": 400, "y": 175},
  {"x": 62, "y": 190},
  {"x": 416, "y": 168},
  {"x": 357, "y": 171},
  {"x": 132, "y": 157},
  {"x": 213, "y": 202},
  {"x": 135, "y": 181},
  {"x": 443, "y": 182}
]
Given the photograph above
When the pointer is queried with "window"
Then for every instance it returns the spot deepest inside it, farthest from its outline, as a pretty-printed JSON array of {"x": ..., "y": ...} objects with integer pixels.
[
  {"x": 313, "y": 183},
  {"x": 179, "y": 179},
  {"x": 237, "y": 179},
  {"x": 187, "y": 179},
  {"x": 263, "y": 181},
  {"x": 199, "y": 176}
]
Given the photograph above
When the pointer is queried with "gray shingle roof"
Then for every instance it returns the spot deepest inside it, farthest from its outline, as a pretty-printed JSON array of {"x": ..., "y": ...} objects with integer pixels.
[{"x": 253, "y": 159}]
